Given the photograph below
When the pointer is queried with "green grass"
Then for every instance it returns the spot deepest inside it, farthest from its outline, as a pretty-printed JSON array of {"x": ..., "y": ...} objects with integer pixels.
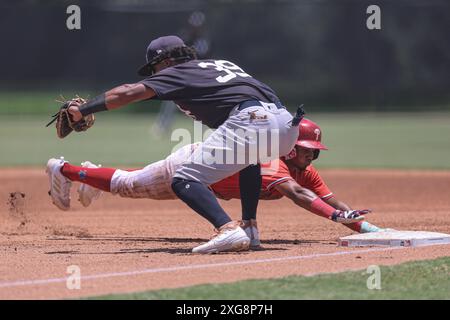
[
  {"x": 365, "y": 140},
  {"x": 42, "y": 103},
  {"x": 113, "y": 140},
  {"x": 27, "y": 103},
  {"x": 416, "y": 280},
  {"x": 385, "y": 140}
]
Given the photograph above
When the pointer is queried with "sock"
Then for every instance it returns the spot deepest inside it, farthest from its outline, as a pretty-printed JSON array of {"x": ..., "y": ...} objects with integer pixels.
[
  {"x": 199, "y": 198},
  {"x": 363, "y": 227},
  {"x": 99, "y": 178},
  {"x": 250, "y": 182},
  {"x": 355, "y": 226},
  {"x": 321, "y": 208}
]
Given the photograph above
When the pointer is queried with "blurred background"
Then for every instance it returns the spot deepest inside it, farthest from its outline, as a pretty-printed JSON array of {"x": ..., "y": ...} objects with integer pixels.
[{"x": 382, "y": 97}]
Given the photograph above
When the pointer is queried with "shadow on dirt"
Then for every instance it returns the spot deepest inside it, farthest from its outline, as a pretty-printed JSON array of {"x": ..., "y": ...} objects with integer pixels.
[
  {"x": 193, "y": 241},
  {"x": 298, "y": 242},
  {"x": 134, "y": 239},
  {"x": 127, "y": 251}
]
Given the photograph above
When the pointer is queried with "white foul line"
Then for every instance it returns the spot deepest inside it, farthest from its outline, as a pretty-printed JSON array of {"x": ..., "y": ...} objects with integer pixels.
[{"x": 189, "y": 267}]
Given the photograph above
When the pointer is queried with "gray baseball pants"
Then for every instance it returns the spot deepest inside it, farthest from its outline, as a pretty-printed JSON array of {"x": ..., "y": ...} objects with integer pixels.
[{"x": 253, "y": 135}]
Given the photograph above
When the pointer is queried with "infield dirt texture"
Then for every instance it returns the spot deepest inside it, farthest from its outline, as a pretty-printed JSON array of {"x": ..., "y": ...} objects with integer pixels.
[{"x": 125, "y": 245}]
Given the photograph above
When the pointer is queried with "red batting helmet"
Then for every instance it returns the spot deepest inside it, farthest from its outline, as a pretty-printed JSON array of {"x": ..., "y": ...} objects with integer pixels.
[{"x": 310, "y": 135}]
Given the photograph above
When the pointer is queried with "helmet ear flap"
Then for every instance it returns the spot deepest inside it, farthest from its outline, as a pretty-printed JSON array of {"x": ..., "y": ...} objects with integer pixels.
[{"x": 316, "y": 154}]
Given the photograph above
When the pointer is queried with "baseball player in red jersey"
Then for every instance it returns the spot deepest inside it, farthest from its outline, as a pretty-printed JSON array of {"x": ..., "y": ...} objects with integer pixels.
[
  {"x": 292, "y": 176},
  {"x": 295, "y": 177}
]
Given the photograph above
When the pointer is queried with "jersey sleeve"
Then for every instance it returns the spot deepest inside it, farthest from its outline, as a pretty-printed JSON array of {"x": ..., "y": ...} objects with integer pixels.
[
  {"x": 274, "y": 173},
  {"x": 315, "y": 183},
  {"x": 168, "y": 84}
]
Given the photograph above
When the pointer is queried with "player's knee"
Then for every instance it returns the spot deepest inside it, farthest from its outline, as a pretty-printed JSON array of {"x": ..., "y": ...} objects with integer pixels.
[{"x": 176, "y": 184}]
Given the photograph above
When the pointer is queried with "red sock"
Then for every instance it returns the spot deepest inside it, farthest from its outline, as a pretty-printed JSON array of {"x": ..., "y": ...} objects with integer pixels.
[
  {"x": 99, "y": 178},
  {"x": 356, "y": 226}
]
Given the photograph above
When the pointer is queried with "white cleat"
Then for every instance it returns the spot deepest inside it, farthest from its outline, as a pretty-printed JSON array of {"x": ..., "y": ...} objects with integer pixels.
[
  {"x": 230, "y": 237},
  {"x": 86, "y": 193},
  {"x": 251, "y": 229},
  {"x": 59, "y": 185}
]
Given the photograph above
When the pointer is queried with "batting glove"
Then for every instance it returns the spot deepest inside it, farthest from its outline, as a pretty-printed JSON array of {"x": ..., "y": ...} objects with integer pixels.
[{"x": 349, "y": 216}]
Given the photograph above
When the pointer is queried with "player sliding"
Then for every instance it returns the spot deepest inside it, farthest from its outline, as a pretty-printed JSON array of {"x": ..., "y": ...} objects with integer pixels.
[
  {"x": 224, "y": 97},
  {"x": 292, "y": 176}
]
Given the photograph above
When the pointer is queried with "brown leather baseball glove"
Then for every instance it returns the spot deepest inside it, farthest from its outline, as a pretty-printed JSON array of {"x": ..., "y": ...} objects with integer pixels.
[{"x": 64, "y": 122}]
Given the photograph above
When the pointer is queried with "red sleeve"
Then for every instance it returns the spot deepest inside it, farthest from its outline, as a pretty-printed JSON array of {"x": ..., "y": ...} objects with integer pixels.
[
  {"x": 313, "y": 181},
  {"x": 227, "y": 188},
  {"x": 274, "y": 173}
]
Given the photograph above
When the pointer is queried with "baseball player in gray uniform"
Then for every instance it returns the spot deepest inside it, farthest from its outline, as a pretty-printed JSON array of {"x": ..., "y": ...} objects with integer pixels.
[{"x": 252, "y": 126}]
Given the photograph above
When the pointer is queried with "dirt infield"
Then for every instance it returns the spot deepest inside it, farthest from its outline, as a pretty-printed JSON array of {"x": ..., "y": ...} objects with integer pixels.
[{"x": 125, "y": 245}]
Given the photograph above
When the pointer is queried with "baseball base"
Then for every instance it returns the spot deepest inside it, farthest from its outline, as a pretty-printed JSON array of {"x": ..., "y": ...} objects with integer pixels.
[{"x": 395, "y": 239}]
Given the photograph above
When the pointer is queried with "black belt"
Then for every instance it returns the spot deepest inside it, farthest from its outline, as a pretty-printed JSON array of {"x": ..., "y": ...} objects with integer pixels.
[{"x": 253, "y": 103}]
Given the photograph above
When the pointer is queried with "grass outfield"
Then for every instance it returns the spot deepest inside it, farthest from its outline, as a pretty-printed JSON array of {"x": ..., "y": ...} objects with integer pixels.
[
  {"x": 386, "y": 140},
  {"x": 116, "y": 140},
  {"x": 414, "y": 280}
]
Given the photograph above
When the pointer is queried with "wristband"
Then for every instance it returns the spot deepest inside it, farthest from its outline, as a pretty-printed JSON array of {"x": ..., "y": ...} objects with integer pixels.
[
  {"x": 321, "y": 208},
  {"x": 94, "y": 105}
]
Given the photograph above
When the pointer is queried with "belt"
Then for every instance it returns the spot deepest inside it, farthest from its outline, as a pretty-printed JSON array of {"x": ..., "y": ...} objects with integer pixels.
[{"x": 253, "y": 103}]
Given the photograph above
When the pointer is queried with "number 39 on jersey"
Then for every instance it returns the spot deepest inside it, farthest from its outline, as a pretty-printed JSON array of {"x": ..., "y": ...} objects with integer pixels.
[{"x": 228, "y": 69}]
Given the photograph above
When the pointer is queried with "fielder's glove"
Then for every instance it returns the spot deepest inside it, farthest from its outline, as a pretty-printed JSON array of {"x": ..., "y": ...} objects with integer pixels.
[
  {"x": 64, "y": 122},
  {"x": 349, "y": 216}
]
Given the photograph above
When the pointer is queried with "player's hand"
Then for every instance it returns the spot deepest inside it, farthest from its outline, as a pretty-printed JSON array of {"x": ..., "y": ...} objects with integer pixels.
[
  {"x": 349, "y": 216},
  {"x": 69, "y": 118},
  {"x": 75, "y": 112}
]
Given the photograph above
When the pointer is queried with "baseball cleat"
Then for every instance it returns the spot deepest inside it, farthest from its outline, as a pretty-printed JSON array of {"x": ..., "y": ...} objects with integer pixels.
[
  {"x": 86, "y": 193},
  {"x": 59, "y": 185},
  {"x": 251, "y": 229},
  {"x": 230, "y": 237}
]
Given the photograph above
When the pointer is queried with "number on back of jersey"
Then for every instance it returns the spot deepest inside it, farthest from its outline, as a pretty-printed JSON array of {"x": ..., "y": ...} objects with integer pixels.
[{"x": 229, "y": 69}]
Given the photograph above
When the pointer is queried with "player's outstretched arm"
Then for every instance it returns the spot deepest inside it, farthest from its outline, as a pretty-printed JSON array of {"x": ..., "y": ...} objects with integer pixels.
[
  {"x": 300, "y": 196},
  {"x": 126, "y": 94},
  {"x": 311, "y": 202},
  {"x": 337, "y": 204},
  {"x": 112, "y": 99}
]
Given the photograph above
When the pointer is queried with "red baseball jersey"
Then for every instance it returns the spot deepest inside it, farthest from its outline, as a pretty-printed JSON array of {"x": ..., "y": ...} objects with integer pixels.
[{"x": 273, "y": 174}]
